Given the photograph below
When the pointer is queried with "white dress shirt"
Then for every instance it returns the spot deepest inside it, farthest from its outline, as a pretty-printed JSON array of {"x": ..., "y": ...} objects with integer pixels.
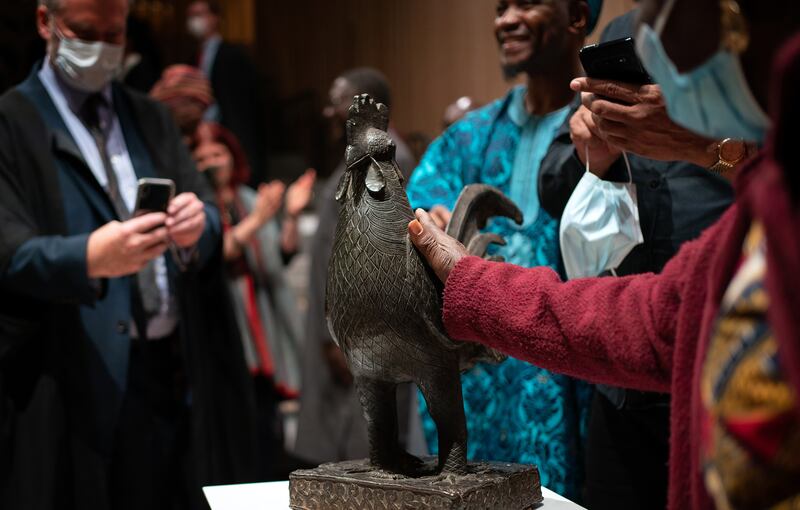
[{"x": 165, "y": 321}]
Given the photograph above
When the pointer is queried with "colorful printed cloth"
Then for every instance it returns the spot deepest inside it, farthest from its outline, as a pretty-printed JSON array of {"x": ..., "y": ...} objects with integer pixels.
[
  {"x": 751, "y": 437},
  {"x": 515, "y": 412}
]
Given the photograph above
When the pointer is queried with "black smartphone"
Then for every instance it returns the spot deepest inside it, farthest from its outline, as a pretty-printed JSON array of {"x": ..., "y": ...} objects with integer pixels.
[
  {"x": 153, "y": 195},
  {"x": 614, "y": 60}
]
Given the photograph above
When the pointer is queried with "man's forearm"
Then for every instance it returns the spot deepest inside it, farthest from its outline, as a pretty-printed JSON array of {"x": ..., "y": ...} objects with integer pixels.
[{"x": 53, "y": 268}]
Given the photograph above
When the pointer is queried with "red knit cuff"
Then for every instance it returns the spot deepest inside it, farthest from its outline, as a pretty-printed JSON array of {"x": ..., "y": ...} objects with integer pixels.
[{"x": 460, "y": 300}]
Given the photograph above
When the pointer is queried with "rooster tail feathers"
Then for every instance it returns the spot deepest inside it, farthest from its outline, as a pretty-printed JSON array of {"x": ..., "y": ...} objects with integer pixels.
[{"x": 476, "y": 204}]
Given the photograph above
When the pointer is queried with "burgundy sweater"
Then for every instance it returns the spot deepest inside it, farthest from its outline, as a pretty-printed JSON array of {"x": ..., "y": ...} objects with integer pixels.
[{"x": 650, "y": 332}]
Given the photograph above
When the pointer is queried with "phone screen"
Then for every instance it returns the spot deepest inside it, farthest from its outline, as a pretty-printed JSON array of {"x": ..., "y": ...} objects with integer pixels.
[{"x": 154, "y": 195}]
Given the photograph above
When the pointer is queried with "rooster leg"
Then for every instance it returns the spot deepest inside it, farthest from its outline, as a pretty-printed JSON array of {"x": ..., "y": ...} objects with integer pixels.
[
  {"x": 379, "y": 403},
  {"x": 442, "y": 392}
]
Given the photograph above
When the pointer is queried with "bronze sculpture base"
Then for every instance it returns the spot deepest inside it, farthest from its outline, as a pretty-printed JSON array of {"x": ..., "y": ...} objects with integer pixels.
[{"x": 355, "y": 485}]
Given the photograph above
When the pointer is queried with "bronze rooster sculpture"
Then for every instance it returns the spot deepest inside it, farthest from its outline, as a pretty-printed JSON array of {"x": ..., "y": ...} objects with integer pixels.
[{"x": 383, "y": 303}]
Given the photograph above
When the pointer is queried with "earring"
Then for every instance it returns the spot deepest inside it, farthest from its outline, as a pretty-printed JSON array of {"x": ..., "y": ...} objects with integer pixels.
[{"x": 735, "y": 33}]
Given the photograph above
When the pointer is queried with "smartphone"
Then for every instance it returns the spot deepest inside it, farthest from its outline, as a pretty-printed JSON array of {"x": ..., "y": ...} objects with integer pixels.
[
  {"x": 153, "y": 195},
  {"x": 614, "y": 60}
]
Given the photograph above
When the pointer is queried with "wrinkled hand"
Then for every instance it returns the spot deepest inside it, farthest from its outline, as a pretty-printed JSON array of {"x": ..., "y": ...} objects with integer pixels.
[
  {"x": 337, "y": 364},
  {"x": 268, "y": 201},
  {"x": 585, "y": 137},
  {"x": 124, "y": 248},
  {"x": 634, "y": 118},
  {"x": 186, "y": 220},
  {"x": 441, "y": 216},
  {"x": 440, "y": 250},
  {"x": 300, "y": 192}
]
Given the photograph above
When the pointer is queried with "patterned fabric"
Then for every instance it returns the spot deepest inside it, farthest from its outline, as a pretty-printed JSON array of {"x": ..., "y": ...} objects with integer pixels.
[
  {"x": 515, "y": 412},
  {"x": 751, "y": 441}
]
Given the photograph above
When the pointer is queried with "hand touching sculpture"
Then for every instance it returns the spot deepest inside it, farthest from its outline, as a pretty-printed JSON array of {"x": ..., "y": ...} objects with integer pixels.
[
  {"x": 441, "y": 216},
  {"x": 441, "y": 251}
]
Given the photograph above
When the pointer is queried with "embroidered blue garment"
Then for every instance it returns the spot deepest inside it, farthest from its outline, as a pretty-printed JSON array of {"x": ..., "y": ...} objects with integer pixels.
[{"x": 515, "y": 412}]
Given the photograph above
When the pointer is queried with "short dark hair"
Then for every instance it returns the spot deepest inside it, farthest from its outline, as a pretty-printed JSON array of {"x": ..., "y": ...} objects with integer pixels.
[
  {"x": 214, "y": 7},
  {"x": 367, "y": 80}
]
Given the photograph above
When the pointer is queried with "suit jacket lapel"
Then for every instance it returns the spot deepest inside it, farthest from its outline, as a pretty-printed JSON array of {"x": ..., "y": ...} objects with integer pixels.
[{"x": 66, "y": 150}]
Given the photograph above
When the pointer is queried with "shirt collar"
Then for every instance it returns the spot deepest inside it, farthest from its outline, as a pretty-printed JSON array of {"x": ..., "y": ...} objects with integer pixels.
[
  {"x": 75, "y": 98},
  {"x": 516, "y": 106},
  {"x": 519, "y": 113},
  {"x": 212, "y": 43}
]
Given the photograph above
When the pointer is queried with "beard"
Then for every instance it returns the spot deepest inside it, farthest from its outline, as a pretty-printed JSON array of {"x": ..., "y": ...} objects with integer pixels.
[{"x": 511, "y": 71}]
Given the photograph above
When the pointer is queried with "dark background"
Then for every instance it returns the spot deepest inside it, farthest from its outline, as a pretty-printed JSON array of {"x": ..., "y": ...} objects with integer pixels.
[{"x": 432, "y": 51}]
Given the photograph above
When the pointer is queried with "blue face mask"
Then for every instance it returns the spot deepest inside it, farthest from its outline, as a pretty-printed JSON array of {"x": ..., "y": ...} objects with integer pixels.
[{"x": 712, "y": 99}]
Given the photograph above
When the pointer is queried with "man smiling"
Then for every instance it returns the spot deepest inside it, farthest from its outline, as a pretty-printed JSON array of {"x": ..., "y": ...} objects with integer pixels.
[{"x": 515, "y": 411}]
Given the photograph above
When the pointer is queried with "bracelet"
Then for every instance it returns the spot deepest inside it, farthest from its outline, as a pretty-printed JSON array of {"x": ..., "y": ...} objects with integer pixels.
[{"x": 725, "y": 164}]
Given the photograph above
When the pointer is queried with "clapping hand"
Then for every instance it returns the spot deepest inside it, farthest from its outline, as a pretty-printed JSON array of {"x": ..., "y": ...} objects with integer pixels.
[
  {"x": 268, "y": 201},
  {"x": 300, "y": 192}
]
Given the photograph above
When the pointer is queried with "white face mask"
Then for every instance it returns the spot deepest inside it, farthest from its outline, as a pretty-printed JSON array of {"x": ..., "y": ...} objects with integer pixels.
[
  {"x": 87, "y": 66},
  {"x": 197, "y": 26},
  {"x": 600, "y": 225}
]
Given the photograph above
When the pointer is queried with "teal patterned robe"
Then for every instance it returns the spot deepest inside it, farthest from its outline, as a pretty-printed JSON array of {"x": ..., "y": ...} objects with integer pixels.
[{"x": 515, "y": 412}]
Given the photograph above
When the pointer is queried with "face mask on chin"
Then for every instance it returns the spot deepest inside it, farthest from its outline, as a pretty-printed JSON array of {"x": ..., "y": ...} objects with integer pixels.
[
  {"x": 713, "y": 99},
  {"x": 87, "y": 66}
]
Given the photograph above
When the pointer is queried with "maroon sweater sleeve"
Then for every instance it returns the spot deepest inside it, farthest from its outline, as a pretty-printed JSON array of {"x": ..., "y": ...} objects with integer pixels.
[{"x": 618, "y": 331}]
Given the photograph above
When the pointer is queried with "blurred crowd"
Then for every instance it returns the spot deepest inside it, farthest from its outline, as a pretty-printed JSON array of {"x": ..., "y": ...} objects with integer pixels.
[{"x": 648, "y": 300}]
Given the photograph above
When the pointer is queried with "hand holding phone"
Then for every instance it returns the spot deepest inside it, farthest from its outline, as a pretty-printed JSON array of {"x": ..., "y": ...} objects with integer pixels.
[
  {"x": 124, "y": 248},
  {"x": 634, "y": 119},
  {"x": 186, "y": 220}
]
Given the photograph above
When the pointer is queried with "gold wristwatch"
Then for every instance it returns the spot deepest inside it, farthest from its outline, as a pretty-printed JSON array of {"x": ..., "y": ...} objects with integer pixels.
[{"x": 730, "y": 152}]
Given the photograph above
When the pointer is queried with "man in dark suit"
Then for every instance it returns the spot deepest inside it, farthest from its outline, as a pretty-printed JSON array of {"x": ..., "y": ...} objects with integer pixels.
[
  {"x": 119, "y": 388},
  {"x": 236, "y": 84}
]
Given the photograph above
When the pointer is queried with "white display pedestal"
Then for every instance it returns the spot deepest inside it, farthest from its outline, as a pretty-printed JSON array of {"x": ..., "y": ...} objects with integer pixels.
[{"x": 275, "y": 496}]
